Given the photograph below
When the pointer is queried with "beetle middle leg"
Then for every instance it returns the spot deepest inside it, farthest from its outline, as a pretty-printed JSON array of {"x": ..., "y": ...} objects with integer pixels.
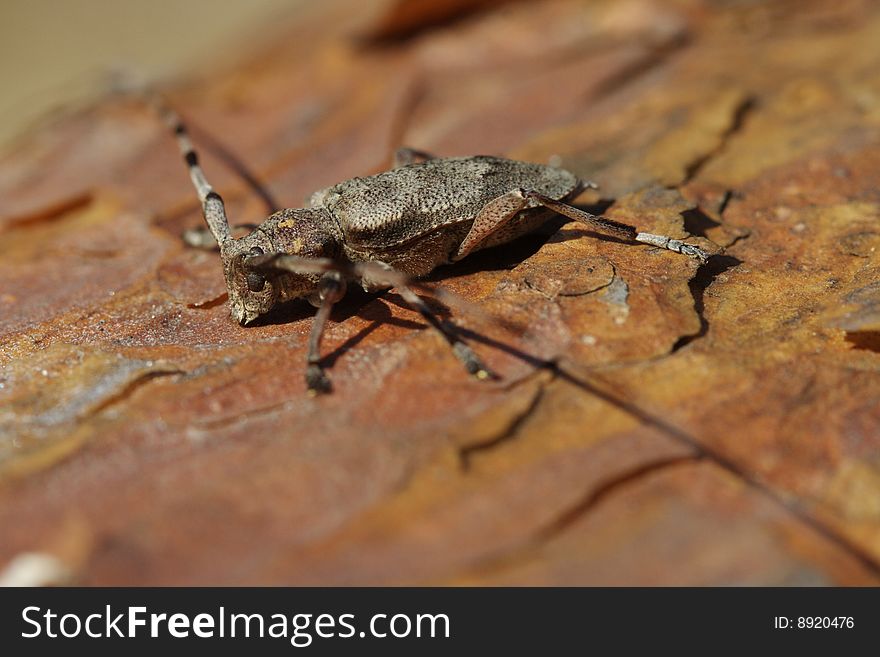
[
  {"x": 375, "y": 274},
  {"x": 447, "y": 329}
]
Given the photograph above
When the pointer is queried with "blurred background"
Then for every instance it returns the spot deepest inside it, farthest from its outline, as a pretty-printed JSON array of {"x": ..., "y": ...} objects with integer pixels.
[{"x": 54, "y": 53}]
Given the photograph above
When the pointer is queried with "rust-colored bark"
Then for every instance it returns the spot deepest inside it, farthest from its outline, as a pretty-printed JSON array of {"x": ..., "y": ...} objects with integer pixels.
[{"x": 656, "y": 422}]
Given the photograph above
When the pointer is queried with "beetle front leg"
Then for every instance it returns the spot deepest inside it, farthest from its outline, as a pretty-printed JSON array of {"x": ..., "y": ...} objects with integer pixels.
[
  {"x": 377, "y": 273},
  {"x": 331, "y": 288}
]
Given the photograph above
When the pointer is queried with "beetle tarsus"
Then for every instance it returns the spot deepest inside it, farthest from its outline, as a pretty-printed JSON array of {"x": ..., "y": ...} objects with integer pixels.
[
  {"x": 666, "y": 242},
  {"x": 317, "y": 381},
  {"x": 472, "y": 363}
]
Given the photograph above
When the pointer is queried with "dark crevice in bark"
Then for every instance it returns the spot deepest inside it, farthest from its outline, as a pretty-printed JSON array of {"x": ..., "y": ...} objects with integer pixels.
[
  {"x": 705, "y": 276},
  {"x": 405, "y": 21},
  {"x": 652, "y": 60},
  {"x": 131, "y": 387},
  {"x": 740, "y": 114},
  {"x": 49, "y": 213},
  {"x": 867, "y": 340},
  {"x": 621, "y": 399},
  {"x": 729, "y": 195},
  {"x": 510, "y": 432},
  {"x": 697, "y": 222},
  {"x": 701, "y": 451},
  {"x": 595, "y": 496}
]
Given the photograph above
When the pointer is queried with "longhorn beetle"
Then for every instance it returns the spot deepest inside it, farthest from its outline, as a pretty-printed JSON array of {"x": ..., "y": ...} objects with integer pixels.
[{"x": 387, "y": 230}]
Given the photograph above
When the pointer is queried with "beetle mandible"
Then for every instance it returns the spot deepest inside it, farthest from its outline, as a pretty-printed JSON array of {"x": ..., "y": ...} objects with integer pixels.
[{"x": 387, "y": 230}]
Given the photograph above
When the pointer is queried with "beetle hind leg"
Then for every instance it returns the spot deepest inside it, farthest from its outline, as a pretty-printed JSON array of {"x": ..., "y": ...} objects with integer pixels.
[
  {"x": 493, "y": 217},
  {"x": 614, "y": 227},
  {"x": 500, "y": 211}
]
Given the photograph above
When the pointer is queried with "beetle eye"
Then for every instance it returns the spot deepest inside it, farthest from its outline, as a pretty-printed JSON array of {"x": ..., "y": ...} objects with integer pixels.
[{"x": 255, "y": 281}]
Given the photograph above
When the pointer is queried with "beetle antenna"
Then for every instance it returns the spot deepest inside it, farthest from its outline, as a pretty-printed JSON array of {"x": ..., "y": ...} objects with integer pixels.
[{"x": 213, "y": 207}]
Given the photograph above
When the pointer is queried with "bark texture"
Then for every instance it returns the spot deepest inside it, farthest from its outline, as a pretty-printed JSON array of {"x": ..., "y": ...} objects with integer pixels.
[{"x": 658, "y": 422}]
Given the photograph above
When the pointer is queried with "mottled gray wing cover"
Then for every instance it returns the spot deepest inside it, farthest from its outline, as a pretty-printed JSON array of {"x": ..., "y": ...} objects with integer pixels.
[{"x": 397, "y": 206}]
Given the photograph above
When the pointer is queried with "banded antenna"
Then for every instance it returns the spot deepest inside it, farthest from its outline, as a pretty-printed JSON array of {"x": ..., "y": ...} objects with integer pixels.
[{"x": 212, "y": 204}]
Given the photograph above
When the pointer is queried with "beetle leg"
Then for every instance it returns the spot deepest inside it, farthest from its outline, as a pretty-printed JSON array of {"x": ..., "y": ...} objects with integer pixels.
[
  {"x": 331, "y": 288},
  {"x": 617, "y": 228},
  {"x": 404, "y": 156},
  {"x": 201, "y": 237},
  {"x": 494, "y": 215},
  {"x": 376, "y": 280},
  {"x": 377, "y": 273}
]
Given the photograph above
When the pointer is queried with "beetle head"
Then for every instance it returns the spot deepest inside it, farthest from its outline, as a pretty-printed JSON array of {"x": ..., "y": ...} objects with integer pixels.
[
  {"x": 254, "y": 291},
  {"x": 251, "y": 292}
]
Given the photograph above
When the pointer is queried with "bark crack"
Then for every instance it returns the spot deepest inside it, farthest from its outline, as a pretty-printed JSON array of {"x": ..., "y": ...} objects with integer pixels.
[
  {"x": 738, "y": 119},
  {"x": 582, "y": 507},
  {"x": 705, "y": 276},
  {"x": 508, "y": 433},
  {"x": 130, "y": 388},
  {"x": 596, "y": 495},
  {"x": 653, "y": 59},
  {"x": 793, "y": 507},
  {"x": 701, "y": 452}
]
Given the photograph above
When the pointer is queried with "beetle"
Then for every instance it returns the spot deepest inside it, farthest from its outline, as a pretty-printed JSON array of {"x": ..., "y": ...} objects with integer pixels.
[{"x": 387, "y": 230}]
